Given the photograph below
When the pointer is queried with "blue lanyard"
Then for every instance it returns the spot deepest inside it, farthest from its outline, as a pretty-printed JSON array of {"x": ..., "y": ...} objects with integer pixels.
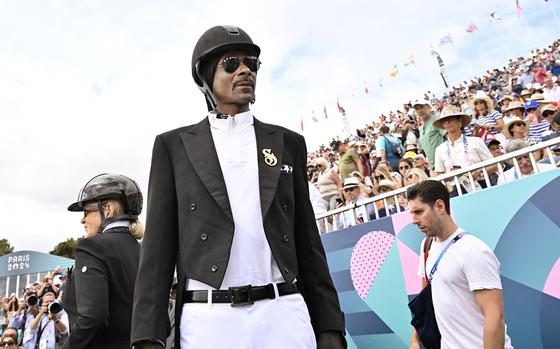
[
  {"x": 434, "y": 268},
  {"x": 465, "y": 145}
]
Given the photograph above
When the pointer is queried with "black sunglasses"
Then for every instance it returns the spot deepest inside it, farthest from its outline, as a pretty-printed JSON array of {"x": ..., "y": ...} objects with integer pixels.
[
  {"x": 379, "y": 177},
  {"x": 8, "y": 342},
  {"x": 230, "y": 64}
]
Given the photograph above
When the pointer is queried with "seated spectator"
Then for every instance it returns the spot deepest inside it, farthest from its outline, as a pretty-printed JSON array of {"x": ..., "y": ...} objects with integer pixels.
[
  {"x": 415, "y": 175},
  {"x": 517, "y": 128},
  {"x": 354, "y": 199},
  {"x": 551, "y": 89},
  {"x": 328, "y": 183},
  {"x": 383, "y": 171},
  {"x": 9, "y": 339},
  {"x": 548, "y": 111},
  {"x": 366, "y": 185},
  {"x": 537, "y": 124},
  {"x": 554, "y": 132},
  {"x": 404, "y": 166},
  {"x": 421, "y": 162},
  {"x": 525, "y": 166},
  {"x": 515, "y": 108},
  {"x": 486, "y": 117},
  {"x": 386, "y": 186}
]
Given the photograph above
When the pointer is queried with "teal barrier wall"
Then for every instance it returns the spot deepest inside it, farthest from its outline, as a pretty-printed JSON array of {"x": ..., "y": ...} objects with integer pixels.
[{"x": 374, "y": 265}]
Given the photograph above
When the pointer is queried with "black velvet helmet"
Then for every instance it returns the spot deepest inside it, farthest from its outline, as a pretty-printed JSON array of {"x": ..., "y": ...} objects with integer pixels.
[
  {"x": 111, "y": 186},
  {"x": 214, "y": 42}
]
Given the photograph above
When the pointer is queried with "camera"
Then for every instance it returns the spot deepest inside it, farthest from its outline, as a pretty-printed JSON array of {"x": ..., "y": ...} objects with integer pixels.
[
  {"x": 55, "y": 307},
  {"x": 32, "y": 300}
]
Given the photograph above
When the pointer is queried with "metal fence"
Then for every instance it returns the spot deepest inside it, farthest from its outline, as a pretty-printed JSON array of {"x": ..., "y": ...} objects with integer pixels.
[{"x": 328, "y": 221}]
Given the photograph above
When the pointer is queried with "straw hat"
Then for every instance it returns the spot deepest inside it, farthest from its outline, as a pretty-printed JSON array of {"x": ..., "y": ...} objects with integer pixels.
[
  {"x": 506, "y": 130},
  {"x": 525, "y": 93},
  {"x": 503, "y": 98},
  {"x": 387, "y": 183},
  {"x": 514, "y": 105},
  {"x": 537, "y": 97},
  {"x": 481, "y": 96},
  {"x": 450, "y": 111},
  {"x": 351, "y": 182},
  {"x": 548, "y": 107}
]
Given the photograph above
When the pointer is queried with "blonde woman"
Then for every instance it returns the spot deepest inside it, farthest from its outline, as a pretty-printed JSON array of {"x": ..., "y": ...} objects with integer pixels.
[{"x": 100, "y": 289}]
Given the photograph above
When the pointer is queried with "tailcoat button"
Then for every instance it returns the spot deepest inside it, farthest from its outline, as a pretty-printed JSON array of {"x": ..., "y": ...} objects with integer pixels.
[
  {"x": 214, "y": 268},
  {"x": 193, "y": 207},
  {"x": 285, "y": 208},
  {"x": 285, "y": 237},
  {"x": 203, "y": 237}
]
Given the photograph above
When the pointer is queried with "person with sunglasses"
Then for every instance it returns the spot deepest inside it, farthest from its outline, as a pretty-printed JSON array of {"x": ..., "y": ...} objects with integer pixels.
[
  {"x": 229, "y": 210},
  {"x": 9, "y": 339},
  {"x": 99, "y": 291}
]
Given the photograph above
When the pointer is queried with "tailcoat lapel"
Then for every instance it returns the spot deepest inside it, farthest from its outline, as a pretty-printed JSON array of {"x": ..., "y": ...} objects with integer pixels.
[
  {"x": 201, "y": 150},
  {"x": 269, "y": 141}
]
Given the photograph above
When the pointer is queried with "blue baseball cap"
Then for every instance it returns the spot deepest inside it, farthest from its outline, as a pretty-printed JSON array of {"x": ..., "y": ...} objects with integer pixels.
[{"x": 531, "y": 105}]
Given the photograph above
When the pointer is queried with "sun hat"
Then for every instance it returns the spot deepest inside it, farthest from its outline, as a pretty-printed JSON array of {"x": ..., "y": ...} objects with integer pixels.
[{"x": 450, "y": 111}]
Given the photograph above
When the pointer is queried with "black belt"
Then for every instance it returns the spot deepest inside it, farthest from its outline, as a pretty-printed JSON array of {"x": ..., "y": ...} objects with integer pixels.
[{"x": 242, "y": 295}]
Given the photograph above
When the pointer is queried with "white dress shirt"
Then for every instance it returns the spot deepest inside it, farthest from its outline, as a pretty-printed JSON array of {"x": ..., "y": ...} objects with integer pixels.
[{"x": 251, "y": 261}]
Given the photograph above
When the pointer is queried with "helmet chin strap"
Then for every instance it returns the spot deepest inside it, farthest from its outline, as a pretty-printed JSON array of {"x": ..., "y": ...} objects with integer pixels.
[
  {"x": 207, "y": 91},
  {"x": 103, "y": 219}
]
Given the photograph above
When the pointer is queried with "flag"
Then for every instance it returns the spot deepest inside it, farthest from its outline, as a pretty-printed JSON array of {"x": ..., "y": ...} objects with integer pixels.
[
  {"x": 365, "y": 88},
  {"x": 445, "y": 40},
  {"x": 434, "y": 52},
  {"x": 301, "y": 124},
  {"x": 314, "y": 118},
  {"x": 494, "y": 17},
  {"x": 395, "y": 71},
  {"x": 325, "y": 111},
  {"x": 518, "y": 9},
  {"x": 340, "y": 109},
  {"x": 410, "y": 60},
  {"x": 471, "y": 27}
]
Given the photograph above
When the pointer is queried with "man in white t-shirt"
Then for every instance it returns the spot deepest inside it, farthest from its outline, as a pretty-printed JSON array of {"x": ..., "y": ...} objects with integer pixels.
[
  {"x": 524, "y": 162},
  {"x": 466, "y": 286}
]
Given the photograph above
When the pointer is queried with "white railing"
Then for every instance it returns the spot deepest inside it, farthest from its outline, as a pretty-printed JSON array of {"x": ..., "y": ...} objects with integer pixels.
[{"x": 326, "y": 221}]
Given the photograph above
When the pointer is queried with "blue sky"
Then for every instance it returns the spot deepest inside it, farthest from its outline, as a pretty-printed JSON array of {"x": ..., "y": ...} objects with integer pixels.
[{"x": 85, "y": 86}]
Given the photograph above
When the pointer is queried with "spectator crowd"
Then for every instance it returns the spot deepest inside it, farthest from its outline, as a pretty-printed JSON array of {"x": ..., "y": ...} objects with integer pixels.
[
  {"x": 502, "y": 111},
  {"x": 36, "y": 320}
]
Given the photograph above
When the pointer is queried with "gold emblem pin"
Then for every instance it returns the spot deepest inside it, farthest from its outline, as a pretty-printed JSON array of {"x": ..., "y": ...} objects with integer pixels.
[{"x": 269, "y": 157}]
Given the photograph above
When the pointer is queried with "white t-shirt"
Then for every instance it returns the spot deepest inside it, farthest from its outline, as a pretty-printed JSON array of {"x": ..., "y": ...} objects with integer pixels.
[
  {"x": 457, "y": 154},
  {"x": 512, "y": 174},
  {"x": 468, "y": 265}
]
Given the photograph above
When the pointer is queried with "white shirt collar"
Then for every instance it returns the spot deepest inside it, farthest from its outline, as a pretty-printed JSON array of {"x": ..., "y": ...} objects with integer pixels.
[
  {"x": 239, "y": 121},
  {"x": 121, "y": 223}
]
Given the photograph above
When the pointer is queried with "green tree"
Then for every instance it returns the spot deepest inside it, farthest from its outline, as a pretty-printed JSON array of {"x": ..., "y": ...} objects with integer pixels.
[
  {"x": 65, "y": 248},
  {"x": 5, "y": 247}
]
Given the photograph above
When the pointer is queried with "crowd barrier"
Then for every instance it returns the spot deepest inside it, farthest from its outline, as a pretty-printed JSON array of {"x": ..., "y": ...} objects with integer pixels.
[{"x": 374, "y": 264}]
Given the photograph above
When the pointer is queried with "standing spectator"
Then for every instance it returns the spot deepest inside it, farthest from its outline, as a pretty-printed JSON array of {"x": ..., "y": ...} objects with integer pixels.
[
  {"x": 430, "y": 136},
  {"x": 328, "y": 183},
  {"x": 463, "y": 274},
  {"x": 349, "y": 160},
  {"x": 49, "y": 327},
  {"x": 388, "y": 148},
  {"x": 363, "y": 153},
  {"x": 459, "y": 151}
]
